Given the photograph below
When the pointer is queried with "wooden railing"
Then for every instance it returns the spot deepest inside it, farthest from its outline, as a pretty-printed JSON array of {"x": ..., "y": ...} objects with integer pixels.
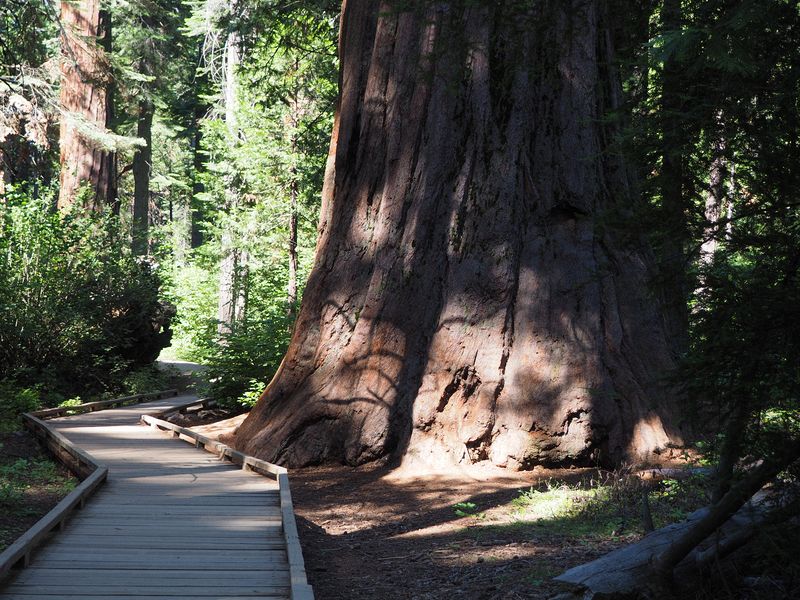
[
  {"x": 92, "y": 473},
  {"x": 61, "y": 411},
  {"x": 300, "y": 589}
]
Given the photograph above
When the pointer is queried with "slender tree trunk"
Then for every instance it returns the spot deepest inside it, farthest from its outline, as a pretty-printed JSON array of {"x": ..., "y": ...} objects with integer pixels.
[
  {"x": 198, "y": 165},
  {"x": 291, "y": 289},
  {"x": 293, "y": 122},
  {"x": 5, "y": 179},
  {"x": 196, "y": 213},
  {"x": 464, "y": 302},
  {"x": 112, "y": 191},
  {"x": 731, "y": 199},
  {"x": 226, "y": 309},
  {"x": 231, "y": 289},
  {"x": 85, "y": 78},
  {"x": 142, "y": 164},
  {"x": 242, "y": 288},
  {"x": 715, "y": 197}
]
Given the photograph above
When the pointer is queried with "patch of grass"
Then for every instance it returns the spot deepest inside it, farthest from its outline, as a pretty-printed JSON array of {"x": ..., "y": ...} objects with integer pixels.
[
  {"x": 569, "y": 510},
  {"x": 468, "y": 509},
  {"x": 611, "y": 506},
  {"x": 555, "y": 501},
  {"x": 36, "y": 475}
]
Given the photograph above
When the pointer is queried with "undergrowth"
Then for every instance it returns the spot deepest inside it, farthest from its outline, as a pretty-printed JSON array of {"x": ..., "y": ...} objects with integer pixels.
[
  {"x": 24, "y": 475},
  {"x": 607, "y": 505}
]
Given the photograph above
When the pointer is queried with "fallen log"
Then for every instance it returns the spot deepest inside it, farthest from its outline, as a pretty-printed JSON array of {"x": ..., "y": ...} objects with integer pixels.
[
  {"x": 678, "y": 554},
  {"x": 628, "y": 572}
]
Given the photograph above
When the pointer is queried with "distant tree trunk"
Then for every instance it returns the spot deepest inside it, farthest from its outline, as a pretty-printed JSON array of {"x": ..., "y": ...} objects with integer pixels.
[
  {"x": 731, "y": 199},
  {"x": 465, "y": 301},
  {"x": 226, "y": 307},
  {"x": 198, "y": 164},
  {"x": 293, "y": 122},
  {"x": 197, "y": 185},
  {"x": 85, "y": 77},
  {"x": 232, "y": 273},
  {"x": 142, "y": 163},
  {"x": 673, "y": 252},
  {"x": 112, "y": 193},
  {"x": 291, "y": 289},
  {"x": 715, "y": 197},
  {"x": 5, "y": 178},
  {"x": 242, "y": 288}
]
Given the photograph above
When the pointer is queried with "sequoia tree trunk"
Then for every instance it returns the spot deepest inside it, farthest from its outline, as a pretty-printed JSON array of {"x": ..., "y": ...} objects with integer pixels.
[
  {"x": 466, "y": 302},
  {"x": 85, "y": 105}
]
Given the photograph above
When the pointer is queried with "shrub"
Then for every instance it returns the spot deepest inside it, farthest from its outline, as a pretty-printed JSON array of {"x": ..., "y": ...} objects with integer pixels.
[
  {"x": 245, "y": 360},
  {"x": 15, "y": 400},
  {"x": 78, "y": 311}
]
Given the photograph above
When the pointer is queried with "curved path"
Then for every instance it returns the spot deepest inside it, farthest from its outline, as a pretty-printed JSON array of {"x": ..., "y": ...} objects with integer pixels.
[{"x": 171, "y": 522}]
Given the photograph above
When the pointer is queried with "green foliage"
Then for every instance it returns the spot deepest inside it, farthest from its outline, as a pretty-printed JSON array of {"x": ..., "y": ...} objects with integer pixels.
[
  {"x": 144, "y": 380},
  {"x": 20, "y": 475},
  {"x": 246, "y": 359},
  {"x": 613, "y": 504},
  {"x": 556, "y": 501},
  {"x": 252, "y": 183},
  {"x": 467, "y": 509},
  {"x": 69, "y": 403},
  {"x": 715, "y": 88},
  {"x": 77, "y": 310},
  {"x": 15, "y": 400}
]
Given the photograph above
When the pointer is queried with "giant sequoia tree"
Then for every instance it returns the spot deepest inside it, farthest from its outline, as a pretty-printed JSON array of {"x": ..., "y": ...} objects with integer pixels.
[
  {"x": 85, "y": 104},
  {"x": 469, "y": 299}
]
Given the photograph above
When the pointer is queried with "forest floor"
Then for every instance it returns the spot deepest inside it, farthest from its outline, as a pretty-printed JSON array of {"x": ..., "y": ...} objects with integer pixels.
[
  {"x": 477, "y": 532},
  {"x": 31, "y": 484},
  {"x": 377, "y": 533}
]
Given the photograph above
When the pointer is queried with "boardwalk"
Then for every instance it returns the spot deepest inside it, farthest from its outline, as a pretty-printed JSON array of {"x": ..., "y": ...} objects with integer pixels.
[{"x": 172, "y": 521}]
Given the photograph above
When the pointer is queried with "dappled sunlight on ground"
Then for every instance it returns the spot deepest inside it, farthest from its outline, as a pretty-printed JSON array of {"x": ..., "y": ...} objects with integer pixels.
[
  {"x": 410, "y": 531},
  {"x": 468, "y": 532}
]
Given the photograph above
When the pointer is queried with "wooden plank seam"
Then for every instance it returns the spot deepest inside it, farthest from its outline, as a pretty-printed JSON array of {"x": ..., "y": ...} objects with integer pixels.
[
  {"x": 92, "y": 473},
  {"x": 300, "y": 589}
]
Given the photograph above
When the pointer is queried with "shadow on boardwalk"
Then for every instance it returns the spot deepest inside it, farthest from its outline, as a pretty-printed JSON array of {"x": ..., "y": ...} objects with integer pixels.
[{"x": 172, "y": 521}]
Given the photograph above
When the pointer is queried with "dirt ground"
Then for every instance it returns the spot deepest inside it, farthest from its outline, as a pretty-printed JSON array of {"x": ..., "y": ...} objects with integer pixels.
[
  {"x": 377, "y": 533},
  {"x": 21, "y": 507}
]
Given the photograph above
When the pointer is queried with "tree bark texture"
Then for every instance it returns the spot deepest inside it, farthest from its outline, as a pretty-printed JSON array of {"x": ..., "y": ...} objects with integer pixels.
[
  {"x": 291, "y": 287},
  {"x": 233, "y": 264},
  {"x": 142, "y": 161},
  {"x": 198, "y": 165},
  {"x": 84, "y": 101},
  {"x": 465, "y": 303}
]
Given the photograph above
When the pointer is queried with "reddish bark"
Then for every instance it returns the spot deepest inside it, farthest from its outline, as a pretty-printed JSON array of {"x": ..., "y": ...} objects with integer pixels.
[
  {"x": 85, "y": 77},
  {"x": 465, "y": 302}
]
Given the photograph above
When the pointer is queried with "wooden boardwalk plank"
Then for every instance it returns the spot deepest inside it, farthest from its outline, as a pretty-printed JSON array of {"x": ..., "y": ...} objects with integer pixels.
[
  {"x": 171, "y": 522},
  {"x": 166, "y": 577},
  {"x": 191, "y": 592}
]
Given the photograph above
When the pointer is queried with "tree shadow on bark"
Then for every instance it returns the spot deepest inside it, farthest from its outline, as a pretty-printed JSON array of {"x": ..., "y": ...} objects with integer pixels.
[{"x": 466, "y": 302}]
